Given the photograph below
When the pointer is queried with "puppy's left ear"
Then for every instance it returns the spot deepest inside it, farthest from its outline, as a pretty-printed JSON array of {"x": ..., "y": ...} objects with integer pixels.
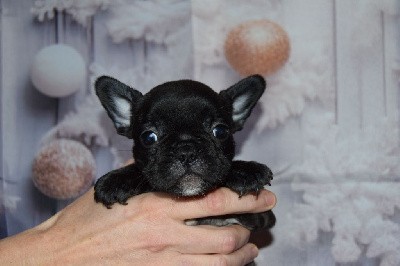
[
  {"x": 119, "y": 100},
  {"x": 244, "y": 96}
]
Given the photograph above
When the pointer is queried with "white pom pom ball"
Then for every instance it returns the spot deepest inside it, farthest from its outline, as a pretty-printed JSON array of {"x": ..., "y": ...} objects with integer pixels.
[
  {"x": 63, "y": 169},
  {"x": 58, "y": 70}
]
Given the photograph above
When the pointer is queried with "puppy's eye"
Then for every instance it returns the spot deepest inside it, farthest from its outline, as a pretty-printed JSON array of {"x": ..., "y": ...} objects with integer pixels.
[
  {"x": 221, "y": 132},
  {"x": 148, "y": 138}
]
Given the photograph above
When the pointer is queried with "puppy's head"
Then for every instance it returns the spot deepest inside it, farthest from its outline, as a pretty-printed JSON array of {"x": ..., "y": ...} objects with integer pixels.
[{"x": 182, "y": 130}]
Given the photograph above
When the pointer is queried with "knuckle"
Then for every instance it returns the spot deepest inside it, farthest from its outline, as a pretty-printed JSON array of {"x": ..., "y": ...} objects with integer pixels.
[
  {"x": 156, "y": 248},
  {"x": 255, "y": 204},
  {"x": 143, "y": 204},
  {"x": 154, "y": 243},
  {"x": 252, "y": 206},
  {"x": 229, "y": 242},
  {"x": 150, "y": 205},
  {"x": 216, "y": 202},
  {"x": 220, "y": 260}
]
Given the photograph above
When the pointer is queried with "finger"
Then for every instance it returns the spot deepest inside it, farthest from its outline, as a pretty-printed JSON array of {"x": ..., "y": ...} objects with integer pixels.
[
  {"x": 210, "y": 239},
  {"x": 223, "y": 201},
  {"x": 240, "y": 257}
]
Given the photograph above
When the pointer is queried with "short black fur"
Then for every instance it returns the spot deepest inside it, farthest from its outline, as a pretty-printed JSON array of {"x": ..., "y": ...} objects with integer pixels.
[{"x": 183, "y": 135}]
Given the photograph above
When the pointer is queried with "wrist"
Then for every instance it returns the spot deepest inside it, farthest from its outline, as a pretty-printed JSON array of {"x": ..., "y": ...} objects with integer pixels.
[{"x": 32, "y": 247}]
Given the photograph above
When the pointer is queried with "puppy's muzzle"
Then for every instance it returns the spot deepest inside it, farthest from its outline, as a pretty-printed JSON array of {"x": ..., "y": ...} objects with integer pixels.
[
  {"x": 186, "y": 153},
  {"x": 191, "y": 168}
]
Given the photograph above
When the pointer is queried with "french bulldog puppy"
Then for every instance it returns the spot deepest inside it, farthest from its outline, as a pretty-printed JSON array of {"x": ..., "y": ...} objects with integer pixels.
[{"x": 183, "y": 143}]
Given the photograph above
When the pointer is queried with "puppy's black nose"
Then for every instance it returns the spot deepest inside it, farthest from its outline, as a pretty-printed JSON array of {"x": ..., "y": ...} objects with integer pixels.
[{"x": 186, "y": 153}]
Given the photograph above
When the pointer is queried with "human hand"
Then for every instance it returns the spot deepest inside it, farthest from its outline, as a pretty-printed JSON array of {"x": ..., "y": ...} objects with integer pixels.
[{"x": 150, "y": 230}]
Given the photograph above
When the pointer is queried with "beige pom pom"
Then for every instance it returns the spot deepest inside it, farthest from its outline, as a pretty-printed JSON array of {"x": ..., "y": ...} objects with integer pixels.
[
  {"x": 257, "y": 47},
  {"x": 63, "y": 169}
]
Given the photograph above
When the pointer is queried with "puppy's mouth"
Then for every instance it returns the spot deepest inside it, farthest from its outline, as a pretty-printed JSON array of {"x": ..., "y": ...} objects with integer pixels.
[{"x": 191, "y": 185}]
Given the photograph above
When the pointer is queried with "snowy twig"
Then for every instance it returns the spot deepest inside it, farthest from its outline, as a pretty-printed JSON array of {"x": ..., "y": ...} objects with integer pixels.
[{"x": 80, "y": 10}]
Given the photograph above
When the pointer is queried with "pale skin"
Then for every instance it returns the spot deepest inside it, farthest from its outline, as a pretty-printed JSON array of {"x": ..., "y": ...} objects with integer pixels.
[{"x": 150, "y": 230}]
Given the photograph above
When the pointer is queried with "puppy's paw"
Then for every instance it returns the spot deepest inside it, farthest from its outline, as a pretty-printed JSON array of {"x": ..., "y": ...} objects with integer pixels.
[
  {"x": 119, "y": 185},
  {"x": 251, "y": 221},
  {"x": 248, "y": 177},
  {"x": 256, "y": 221},
  {"x": 110, "y": 189}
]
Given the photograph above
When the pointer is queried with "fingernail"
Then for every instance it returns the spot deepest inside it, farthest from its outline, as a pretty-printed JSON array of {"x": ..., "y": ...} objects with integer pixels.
[{"x": 270, "y": 199}]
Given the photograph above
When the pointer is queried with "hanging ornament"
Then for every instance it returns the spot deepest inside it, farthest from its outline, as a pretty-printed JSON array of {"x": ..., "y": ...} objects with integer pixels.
[
  {"x": 63, "y": 169},
  {"x": 257, "y": 47},
  {"x": 58, "y": 70}
]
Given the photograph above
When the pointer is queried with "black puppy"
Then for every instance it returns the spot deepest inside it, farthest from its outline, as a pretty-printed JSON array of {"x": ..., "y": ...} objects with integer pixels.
[{"x": 183, "y": 144}]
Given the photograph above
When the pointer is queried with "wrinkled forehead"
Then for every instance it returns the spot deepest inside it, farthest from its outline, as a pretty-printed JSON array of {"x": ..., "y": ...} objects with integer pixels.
[
  {"x": 182, "y": 104},
  {"x": 180, "y": 110}
]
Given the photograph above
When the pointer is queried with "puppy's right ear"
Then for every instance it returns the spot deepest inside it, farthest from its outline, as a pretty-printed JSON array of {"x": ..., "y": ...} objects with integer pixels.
[{"x": 119, "y": 101}]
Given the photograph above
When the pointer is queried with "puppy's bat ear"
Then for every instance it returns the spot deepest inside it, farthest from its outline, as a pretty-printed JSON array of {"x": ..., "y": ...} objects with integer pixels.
[
  {"x": 119, "y": 100},
  {"x": 244, "y": 96}
]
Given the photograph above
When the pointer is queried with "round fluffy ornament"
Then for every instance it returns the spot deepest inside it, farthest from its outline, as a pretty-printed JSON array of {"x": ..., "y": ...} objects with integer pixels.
[
  {"x": 58, "y": 70},
  {"x": 63, "y": 169},
  {"x": 257, "y": 47}
]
